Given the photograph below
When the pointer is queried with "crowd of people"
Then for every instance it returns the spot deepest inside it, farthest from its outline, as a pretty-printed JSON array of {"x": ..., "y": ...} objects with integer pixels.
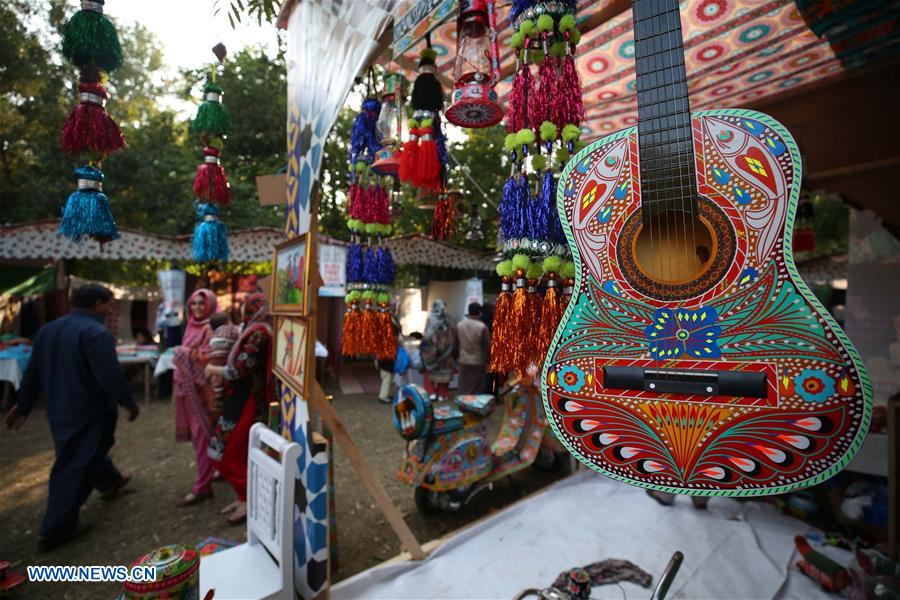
[
  {"x": 446, "y": 349},
  {"x": 222, "y": 386}
]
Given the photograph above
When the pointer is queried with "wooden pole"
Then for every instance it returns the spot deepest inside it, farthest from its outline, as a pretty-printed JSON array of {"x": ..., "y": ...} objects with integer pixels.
[{"x": 319, "y": 402}]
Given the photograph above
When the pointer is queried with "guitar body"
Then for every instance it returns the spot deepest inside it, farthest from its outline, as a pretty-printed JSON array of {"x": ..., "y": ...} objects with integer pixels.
[{"x": 745, "y": 323}]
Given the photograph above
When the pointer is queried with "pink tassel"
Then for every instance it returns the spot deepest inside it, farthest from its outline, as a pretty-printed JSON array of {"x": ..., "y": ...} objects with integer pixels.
[
  {"x": 353, "y": 207},
  {"x": 547, "y": 97},
  {"x": 210, "y": 183},
  {"x": 571, "y": 106},
  {"x": 382, "y": 207},
  {"x": 522, "y": 85}
]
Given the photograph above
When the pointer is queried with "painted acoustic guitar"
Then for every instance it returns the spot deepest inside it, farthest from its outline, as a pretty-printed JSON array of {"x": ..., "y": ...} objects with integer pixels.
[{"x": 692, "y": 358}]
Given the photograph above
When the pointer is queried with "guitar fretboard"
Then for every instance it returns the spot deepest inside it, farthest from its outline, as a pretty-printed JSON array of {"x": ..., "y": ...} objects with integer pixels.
[{"x": 668, "y": 178}]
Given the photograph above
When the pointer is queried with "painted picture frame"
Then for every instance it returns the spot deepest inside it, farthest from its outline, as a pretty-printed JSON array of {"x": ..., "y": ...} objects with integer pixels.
[
  {"x": 290, "y": 276},
  {"x": 291, "y": 352}
]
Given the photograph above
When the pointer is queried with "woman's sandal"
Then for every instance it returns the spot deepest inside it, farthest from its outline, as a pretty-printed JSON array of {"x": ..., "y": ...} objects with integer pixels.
[
  {"x": 238, "y": 519},
  {"x": 230, "y": 508},
  {"x": 191, "y": 499}
]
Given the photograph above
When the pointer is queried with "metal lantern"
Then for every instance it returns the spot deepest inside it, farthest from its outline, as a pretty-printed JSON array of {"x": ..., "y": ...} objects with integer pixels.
[
  {"x": 476, "y": 69},
  {"x": 387, "y": 160}
]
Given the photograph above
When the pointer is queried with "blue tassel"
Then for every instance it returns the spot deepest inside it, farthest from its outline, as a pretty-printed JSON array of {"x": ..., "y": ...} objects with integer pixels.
[
  {"x": 441, "y": 141},
  {"x": 210, "y": 235},
  {"x": 354, "y": 264},
  {"x": 518, "y": 7},
  {"x": 523, "y": 204},
  {"x": 510, "y": 220},
  {"x": 370, "y": 266},
  {"x": 386, "y": 269},
  {"x": 87, "y": 212},
  {"x": 539, "y": 211},
  {"x": 364, "y": 138},
  {"x": 555, "y": 232}
]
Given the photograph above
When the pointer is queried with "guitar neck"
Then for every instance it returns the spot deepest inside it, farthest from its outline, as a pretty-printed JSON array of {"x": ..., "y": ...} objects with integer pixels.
[{"x": 668, "y": 177}]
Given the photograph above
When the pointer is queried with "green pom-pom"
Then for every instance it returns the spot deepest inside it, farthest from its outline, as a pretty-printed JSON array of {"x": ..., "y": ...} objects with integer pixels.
[
  {"x": 571, "y": 132},
  {"x": 548, "y": 131},
  {"x": 371, "y": 228},
  {"x": 538, "y": 162},
  {"x": 517, "y": 40},
  {"x": 368, "y": 295},
  {"x": 413, "y": 124},
  {"x": 505, "y": 268},
  {"x": 568, "y": 270},
  {"x": 534, "y": 271},
  {"x": 384, "y": 298},
  {"x": 360, "y": 166},
  {"x": 575, "y": 37},
  {"x": 428, "y": 54},
  {"x": 89, "y": 38},
  {"x": 509, "y": 142},
  {"x": 212, "y": 118},
  {"x": 527, "y": 27},
  {"x": 520, "y": 261},
  {"x": 545, "y": 24},
  {"x": 353, "y": 296},
  {"x": 426, "y": 122},
  {"x": 567, "y": 22},
  {"x": 558, "y": 49},
  {"x": 552, "y": 264},
  {"x": 536, "y": 56},
  {"x": 525, "y": 137},
  {"x": 562, "y": 156}
]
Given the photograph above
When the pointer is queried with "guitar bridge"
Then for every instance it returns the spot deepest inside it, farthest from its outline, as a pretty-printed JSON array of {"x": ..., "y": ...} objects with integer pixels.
[{"x": 697, "y": 382}]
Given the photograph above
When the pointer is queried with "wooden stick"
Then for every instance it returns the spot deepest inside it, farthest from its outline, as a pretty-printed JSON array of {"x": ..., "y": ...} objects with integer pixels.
[{"x": 319, "y": 402}]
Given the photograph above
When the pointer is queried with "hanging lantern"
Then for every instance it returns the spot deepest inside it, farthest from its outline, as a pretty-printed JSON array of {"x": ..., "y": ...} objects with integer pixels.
[
  {"x": 475, "y": 70},
  {"x": 388, "y": 126}
]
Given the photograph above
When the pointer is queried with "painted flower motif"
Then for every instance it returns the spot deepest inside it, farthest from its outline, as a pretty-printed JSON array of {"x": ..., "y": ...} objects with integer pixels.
[
  {"x": 571, "y": 378},
  {"x": 814, "y": 385},
  {"x": 684, "y": 331}
]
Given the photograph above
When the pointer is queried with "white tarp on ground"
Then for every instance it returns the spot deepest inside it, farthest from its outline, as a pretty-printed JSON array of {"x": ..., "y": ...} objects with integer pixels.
[{"x": 733, "y": 550}]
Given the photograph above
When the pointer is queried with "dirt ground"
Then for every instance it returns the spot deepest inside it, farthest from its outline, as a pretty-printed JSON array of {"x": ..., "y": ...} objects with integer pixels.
[{"x": 145, "y": 516}]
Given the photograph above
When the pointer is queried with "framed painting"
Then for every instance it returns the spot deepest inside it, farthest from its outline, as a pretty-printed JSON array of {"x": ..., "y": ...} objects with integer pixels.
[
  {"x": 290, "y": 274},
  {"x": 291, "y": 338}
]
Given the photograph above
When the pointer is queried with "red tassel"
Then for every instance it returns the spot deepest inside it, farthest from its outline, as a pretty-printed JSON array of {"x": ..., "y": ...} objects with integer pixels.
[
  {"x": 353, "y": 197},
  {"x": 546, "y": 98},
  {"x": 381, "y": 206},
  {"x": 428, "y": 167},
  {"x": 89, "y": 128},
  {"x": 444, "y": 218},
  {"x": 522, "y": 87},
  {"x": 210, "y": 183},
  {"x": 501, "y": 359},
  {"x": 571, "y": 106},
  {"x": 409, "y": 156},
  {"x": 352, "y": 322}
]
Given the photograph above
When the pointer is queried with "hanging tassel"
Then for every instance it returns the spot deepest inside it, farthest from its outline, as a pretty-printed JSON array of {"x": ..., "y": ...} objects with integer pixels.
[
  {"x": 353, "y": 200},
  {"x": 550, "y": 311},
  {"x": 370, "y": 266},
  {"x": 409, "y": 156},
  {"x": 522, "y": 88},
  {"x": 369, "y": 328},
  {"x": 538, "y": 213},
  {"x": 87, "y": 212},
  {"x": 528, "y": 349},
  {"x": 427, "y": 93},
  {"x": 387, "y": 338},
  {"x": 567, "y": 273},
  {"x": 555, "y": 233},
  {"x": 352, "y": 324},
  {"x": 210, "y": 242},
  {"x": 442, "y": 220},
  {"x": 518, "y": 341},
  {"x": 569, "y": 98},
  {"x": 364, "y": 140},
  {"x": 501, "y": 359},
  {"x": 210, "y": 182},
  {"x": 382, "y": 205},
  {"x": 542, "y": 106},
  {"x": 89, "y": 38},
  {"x": 443, "y": 157},
  {"x": 428, "y": 168},
  {"x": 212, "y": 119},
  {"x": 89, "y": 129},
  {"x": 386, "y": 269}
]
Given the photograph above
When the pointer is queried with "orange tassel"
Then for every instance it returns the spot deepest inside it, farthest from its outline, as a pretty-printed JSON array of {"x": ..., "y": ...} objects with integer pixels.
[
  {"x": 532, "y": 354},
  {"x": 550, "y": 317},
  {"x": 501, "y": 360},
  {"x": 387, "y": 341},
  {"x": 368, "y": 330},
  {"x": 566, "y": 296},
  {"x": 350, "y": 345}
]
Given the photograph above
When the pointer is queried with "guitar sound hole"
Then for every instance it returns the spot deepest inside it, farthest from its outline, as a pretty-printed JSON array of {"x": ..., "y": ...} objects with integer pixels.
[
  {"x": 674, "y": 247},
  {"x": 682, "y": 262}
]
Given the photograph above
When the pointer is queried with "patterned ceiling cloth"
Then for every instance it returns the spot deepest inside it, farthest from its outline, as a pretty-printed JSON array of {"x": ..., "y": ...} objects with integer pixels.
[
  {"x": 738, "y": 52},
  {"x": 41, "y": 241},
  {"x": 418, "y": 249}
]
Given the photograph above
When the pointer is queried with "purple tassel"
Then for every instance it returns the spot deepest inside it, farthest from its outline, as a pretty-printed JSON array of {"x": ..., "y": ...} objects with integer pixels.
[
  {"x": 354, "y": 263},
  {"x": 510, "y": 220},
  {"x": 370, "y": 266},
  {"x": 364, "y": 138},
  {"x": 555, "y": 232}
]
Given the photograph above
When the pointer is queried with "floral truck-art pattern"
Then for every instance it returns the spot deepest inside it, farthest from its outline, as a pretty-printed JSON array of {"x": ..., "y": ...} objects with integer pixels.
[{"x": 757, "y": 317}]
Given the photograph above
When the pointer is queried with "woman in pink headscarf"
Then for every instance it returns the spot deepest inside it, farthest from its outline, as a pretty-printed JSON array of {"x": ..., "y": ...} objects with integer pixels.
[{"x": 193, "y": 392}]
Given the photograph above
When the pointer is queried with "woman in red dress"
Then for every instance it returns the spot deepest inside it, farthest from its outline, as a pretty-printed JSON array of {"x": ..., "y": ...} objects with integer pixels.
[
  {"x": 193, "y": 404},
  {"x": 248, "y": 393}
]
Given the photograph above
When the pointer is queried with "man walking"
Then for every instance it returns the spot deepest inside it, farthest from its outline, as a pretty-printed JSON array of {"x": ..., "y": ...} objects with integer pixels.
[
  {"x": 74, "y": 364},
  {"x": 474, "y": 344}
]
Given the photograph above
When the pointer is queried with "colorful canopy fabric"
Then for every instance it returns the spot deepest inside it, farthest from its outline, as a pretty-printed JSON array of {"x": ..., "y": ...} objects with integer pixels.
[{"x": 738, "y": 52}]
